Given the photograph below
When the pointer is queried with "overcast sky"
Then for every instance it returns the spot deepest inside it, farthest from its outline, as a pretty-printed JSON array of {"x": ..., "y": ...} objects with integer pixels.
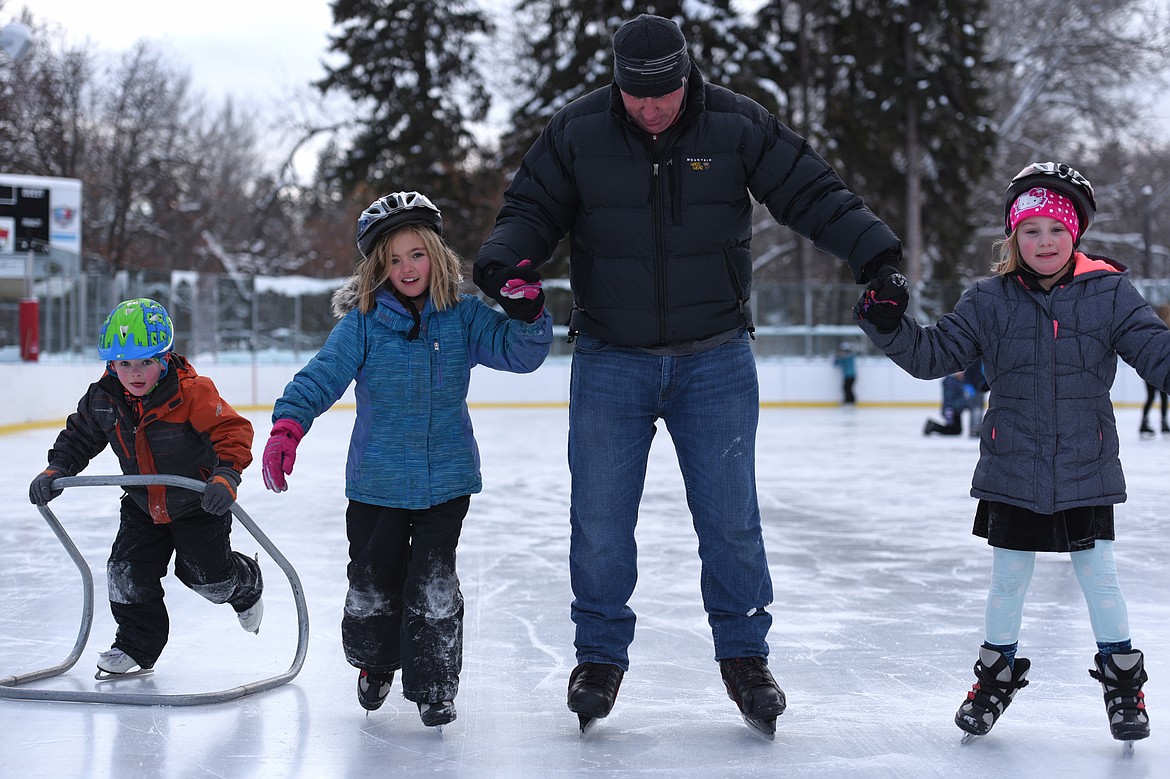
[
  {"x": 256, "y": 51},
  {"x": 250, "y": 49}
]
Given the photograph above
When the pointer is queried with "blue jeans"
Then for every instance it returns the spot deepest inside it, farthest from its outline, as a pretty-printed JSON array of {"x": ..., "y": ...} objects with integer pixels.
[{"x": 710, "y": 404}]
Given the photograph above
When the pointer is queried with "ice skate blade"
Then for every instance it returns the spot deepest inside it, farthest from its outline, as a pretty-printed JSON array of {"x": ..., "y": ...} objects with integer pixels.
[
  {"x": 968, "y": 738},
  {"x": 106, "y": 676},
  {"x": 587, "y": 723},
  {"x": 1128, "y": 748},
  {"x": 764, "y": 728}
]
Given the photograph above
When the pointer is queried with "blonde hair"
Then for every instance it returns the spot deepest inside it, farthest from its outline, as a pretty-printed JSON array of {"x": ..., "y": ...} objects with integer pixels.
[
  {"x": 1007, "y": 256},
  {"x": 446, "y": 269}
]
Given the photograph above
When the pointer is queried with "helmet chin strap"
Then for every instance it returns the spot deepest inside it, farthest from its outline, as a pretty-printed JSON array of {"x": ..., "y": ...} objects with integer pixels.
[{"x": 412, "y": 307}]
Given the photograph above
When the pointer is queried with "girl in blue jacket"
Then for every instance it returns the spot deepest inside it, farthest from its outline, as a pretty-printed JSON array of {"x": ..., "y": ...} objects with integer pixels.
[
  {"x": 1049, "y": 327},
  {"x": 409, "y": 339}
]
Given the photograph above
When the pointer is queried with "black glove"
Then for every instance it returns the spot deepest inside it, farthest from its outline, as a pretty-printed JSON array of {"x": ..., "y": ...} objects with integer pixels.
[
  {"x": 41, "y": 490},
  {"x": 516, "y": 288},
  {"x": 884, "y": 300},
  {"x": 220, "y": 493}
]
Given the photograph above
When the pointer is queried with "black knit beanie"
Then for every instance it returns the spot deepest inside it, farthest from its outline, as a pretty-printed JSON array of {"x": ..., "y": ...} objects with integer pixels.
[{"x": 650, "y": 57}]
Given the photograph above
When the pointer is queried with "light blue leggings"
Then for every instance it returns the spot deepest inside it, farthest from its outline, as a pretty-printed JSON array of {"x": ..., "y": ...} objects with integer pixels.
[{"x": 1096, "y": 570}]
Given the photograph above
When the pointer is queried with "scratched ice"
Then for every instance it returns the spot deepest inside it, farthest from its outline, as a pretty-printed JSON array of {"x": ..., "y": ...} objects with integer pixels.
[{"x": 879, "y": 606}]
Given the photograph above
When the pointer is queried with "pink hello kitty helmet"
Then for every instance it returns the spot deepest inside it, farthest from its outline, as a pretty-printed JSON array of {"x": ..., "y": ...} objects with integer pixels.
[{"x": 1060, "y": 187}]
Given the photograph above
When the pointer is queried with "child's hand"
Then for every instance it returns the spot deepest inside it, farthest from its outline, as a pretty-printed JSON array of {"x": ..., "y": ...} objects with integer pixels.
[
  {"x": 518, "y": 290},
  {"x": 41, "y": 490},
  {"x": 220, "y": 493},
  {"x": 884, "y": 300},
  {"x": 280, "y": 453}
]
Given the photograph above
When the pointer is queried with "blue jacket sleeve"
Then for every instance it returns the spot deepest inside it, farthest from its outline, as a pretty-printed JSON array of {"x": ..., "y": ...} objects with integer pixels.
[
  {"x": 505, "y": 344},
  {"x": 318, "y": 385}
]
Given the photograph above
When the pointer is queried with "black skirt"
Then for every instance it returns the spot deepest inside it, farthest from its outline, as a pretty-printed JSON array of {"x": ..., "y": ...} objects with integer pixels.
[{"x": 1072, "y": 530}]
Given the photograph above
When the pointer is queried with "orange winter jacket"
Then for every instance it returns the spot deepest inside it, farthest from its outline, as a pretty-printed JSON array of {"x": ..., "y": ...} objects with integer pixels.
[{"x": 182, "y": 427}]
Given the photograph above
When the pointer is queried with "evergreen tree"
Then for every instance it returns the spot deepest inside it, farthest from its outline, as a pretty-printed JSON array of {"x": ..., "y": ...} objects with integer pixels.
[
  {"x": 908, "y": 115},
  {"x": 410, "y": 67}
]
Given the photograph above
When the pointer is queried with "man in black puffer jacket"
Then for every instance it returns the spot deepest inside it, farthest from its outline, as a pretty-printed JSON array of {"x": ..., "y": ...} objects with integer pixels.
[{"x": 653, "y": 179}]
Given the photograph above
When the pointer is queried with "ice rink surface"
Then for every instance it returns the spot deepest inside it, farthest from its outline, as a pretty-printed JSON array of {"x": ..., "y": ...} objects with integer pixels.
[{"x": 880, "y": 591}]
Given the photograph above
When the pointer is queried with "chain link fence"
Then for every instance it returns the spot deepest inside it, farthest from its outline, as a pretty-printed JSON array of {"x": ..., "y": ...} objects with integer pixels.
[{"x": 279, "y": 319}]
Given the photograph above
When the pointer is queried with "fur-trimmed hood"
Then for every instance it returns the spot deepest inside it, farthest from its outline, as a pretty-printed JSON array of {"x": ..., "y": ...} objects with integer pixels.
[{"x": 345, "y": 299}]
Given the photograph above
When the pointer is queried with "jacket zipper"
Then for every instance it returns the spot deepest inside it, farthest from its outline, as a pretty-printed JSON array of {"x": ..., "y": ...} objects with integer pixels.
[{"x": 659, "y": 258}]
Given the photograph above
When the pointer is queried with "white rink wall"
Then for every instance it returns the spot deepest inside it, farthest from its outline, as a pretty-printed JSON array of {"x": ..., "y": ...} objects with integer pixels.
[{"x": 46, "y": 392}]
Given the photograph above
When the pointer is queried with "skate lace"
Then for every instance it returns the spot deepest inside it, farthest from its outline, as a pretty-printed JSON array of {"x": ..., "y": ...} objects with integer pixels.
[
  {"x": 601, "y": 676},
  {"x": 749, "y": 672}
]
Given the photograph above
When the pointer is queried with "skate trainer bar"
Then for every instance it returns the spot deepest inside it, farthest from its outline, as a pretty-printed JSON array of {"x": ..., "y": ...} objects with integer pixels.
[{"x": 8, "y": 685}]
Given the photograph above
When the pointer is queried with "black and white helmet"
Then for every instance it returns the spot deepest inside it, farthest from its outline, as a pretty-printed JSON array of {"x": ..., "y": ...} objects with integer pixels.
[
  {"x": 393, "y": 211},
  {"x": 1059, "y": 178}
]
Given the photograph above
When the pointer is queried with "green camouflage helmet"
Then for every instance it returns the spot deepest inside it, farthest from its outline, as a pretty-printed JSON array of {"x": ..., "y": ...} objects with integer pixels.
[{"x": 136, "y": 329}]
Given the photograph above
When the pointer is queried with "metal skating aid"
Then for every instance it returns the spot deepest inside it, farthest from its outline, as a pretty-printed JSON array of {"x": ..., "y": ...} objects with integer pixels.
[{"x": 9, "y": 686}]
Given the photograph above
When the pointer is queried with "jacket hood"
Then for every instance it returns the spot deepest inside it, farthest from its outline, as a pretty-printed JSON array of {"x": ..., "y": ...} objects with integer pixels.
[
  {"x": 345, "y": 299},
  {"x": 1088, "y": 263}
]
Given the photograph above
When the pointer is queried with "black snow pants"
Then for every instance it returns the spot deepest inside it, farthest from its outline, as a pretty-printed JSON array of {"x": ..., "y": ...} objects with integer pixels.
[
  {"x": 204, "y": 562},
  {"x": 404, "y": 609}
]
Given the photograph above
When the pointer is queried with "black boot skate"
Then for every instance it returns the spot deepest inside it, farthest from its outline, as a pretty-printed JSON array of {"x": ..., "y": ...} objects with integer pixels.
[
  {"x": 372, "y": 689},
  {"x": 951, "y": 428},
  {"x": 593, "y": 688},
  {"x": 1145, "y": 431},
  {"x": 995, "y": 686},
  {"x": 437, "y": 714},
  {"x": 751, "y": 685},
  {"x": 1122, "y": 675}
]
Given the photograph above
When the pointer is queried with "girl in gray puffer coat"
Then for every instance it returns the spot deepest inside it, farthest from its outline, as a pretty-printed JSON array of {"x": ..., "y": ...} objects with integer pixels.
[{"x": 1049, "y": 327}]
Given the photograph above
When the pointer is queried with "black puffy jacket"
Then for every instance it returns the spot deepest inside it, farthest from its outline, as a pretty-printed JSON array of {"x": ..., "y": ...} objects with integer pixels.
[{"x": 660, "y": 242}]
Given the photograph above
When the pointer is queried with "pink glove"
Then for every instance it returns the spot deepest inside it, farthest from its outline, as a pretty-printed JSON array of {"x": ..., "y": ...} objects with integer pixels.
[
  {"x": 521, "y": 295},
  {"x": 515, "y": 289},
  {"x": 280, "y": 453}
]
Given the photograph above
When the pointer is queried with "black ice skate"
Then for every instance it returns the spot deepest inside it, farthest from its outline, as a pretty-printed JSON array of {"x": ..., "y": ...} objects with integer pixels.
[
  {"x": 593, "y": 688},
  {"x": 953, "y": 428},
  {"x": 996, "y": 684},
  {"x": 436, "y": 714},
  {"x": 1145, "y": 431},
  {"x": 372, "y": 689},
  {"x": 750, "y": 684},
  {"x": 1122, "y": 676},
  {"x": 114, "y": 664}
]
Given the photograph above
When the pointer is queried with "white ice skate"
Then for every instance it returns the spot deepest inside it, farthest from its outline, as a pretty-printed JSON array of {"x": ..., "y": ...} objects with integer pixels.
[
  {"x": 116, "y": 664},
  {"x": 250, "y": 618}
]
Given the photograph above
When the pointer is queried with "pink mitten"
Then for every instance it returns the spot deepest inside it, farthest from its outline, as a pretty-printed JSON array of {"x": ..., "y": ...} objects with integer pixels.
[{"x": 280, "y": 453}]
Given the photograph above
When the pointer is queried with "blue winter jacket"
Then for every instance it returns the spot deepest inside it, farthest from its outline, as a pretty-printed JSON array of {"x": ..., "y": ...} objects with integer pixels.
[
  {"x": 412, "y": 445},
  {"x": 1049, "y": 439}
]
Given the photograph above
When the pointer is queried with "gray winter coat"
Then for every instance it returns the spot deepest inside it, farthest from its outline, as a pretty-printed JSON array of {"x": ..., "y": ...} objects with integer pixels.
[{"x": 1049, "y": 438}]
